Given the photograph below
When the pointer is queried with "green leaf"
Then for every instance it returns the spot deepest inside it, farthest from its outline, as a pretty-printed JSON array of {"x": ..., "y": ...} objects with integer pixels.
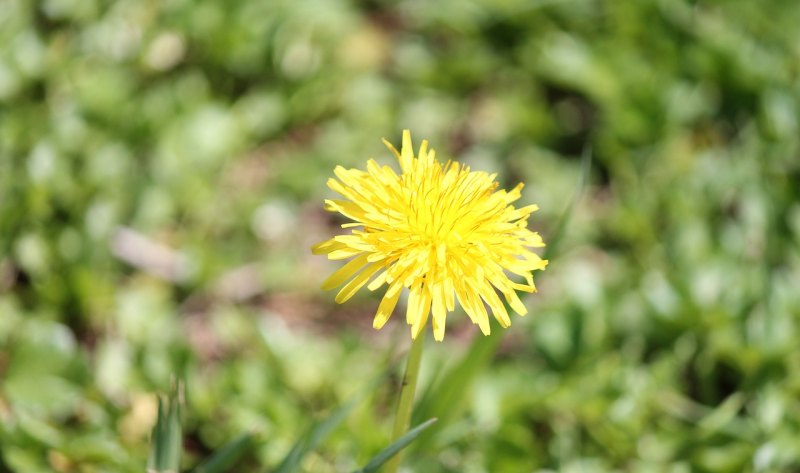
[
  {"x": 387, "y": 453},
  {"x": 165, "y": 451},
  {"x": 223, "y": 459}
]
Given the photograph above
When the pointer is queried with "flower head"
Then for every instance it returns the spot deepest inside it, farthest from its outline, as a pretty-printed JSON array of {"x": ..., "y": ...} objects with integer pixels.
[{"x": 442, "y": 231}]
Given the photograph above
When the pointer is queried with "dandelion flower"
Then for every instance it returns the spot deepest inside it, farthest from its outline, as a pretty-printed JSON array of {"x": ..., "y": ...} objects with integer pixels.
[{"x": 444, "y": 232}]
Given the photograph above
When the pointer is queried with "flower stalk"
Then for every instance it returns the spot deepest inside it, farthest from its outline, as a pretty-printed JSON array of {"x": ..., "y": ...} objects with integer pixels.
[{"x": 407, "y": 391}]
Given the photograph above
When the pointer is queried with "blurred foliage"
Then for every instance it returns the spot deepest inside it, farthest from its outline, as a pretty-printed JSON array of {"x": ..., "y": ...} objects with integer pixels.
[
  {"x": 162, "y": 166},
  {"x": 165, "y": 450}
]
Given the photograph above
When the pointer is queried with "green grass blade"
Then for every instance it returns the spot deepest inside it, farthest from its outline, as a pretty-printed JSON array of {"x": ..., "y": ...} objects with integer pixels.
[
  {"x": 223, "y": 459},
  {"x": 387, "y": 453},
  {"x": 319, "y": 431},
  {"x": 167, "y": 438},
  {"x": 445, "y": 398},
  {"x": 566, "y": 216},
  {"x": 315, "y": 436}
]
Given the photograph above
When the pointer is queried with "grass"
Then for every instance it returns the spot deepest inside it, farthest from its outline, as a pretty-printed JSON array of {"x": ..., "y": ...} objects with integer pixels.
[{"x": 162, "y": 171}]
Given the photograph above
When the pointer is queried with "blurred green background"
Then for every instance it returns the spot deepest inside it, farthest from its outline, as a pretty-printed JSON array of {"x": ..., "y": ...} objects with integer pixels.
[{"x": 162, "y": 170}]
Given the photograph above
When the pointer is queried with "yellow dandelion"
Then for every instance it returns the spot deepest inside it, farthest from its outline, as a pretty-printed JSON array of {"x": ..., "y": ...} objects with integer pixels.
[{"x": 442, "y": 231}]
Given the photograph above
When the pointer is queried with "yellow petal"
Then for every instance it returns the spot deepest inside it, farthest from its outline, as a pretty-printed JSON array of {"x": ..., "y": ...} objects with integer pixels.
[
  {"x": 357, "y": 282},
  {"x": 425, "y": 310},
  {"x": 344, "y": 253},
  {"x": 439, "y": 312},
  {"x": 522, "y": 212},
  {"x": 449, "y": 294},
  {"x": 354, "y": 241},
  {"x": 406, "y": 152},
  {"x": 391, "y": 148},
  {"x": 498, "y": 309},
  {"x": 345, "y": 272},
  {"x": 515, "y": 303},
  {"x": 423, "y": 150},
  {"x": 326, "y": 247},
  {"x": 479, "y": 309},
  {"x": 422, "y": 310},
  {"x": 523, "y": 288},
  {"x": 379, "y": 281},
  {"x": 411, "y": 305},
  {"x": 387, "y": 305}
]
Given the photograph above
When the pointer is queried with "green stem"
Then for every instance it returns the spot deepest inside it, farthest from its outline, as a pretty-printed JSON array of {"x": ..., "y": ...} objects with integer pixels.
[{"x": 407, "y": 390}]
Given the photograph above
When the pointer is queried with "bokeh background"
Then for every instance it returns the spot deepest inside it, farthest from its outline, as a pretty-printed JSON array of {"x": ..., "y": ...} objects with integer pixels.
[{"x": 162, "y": 171}]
